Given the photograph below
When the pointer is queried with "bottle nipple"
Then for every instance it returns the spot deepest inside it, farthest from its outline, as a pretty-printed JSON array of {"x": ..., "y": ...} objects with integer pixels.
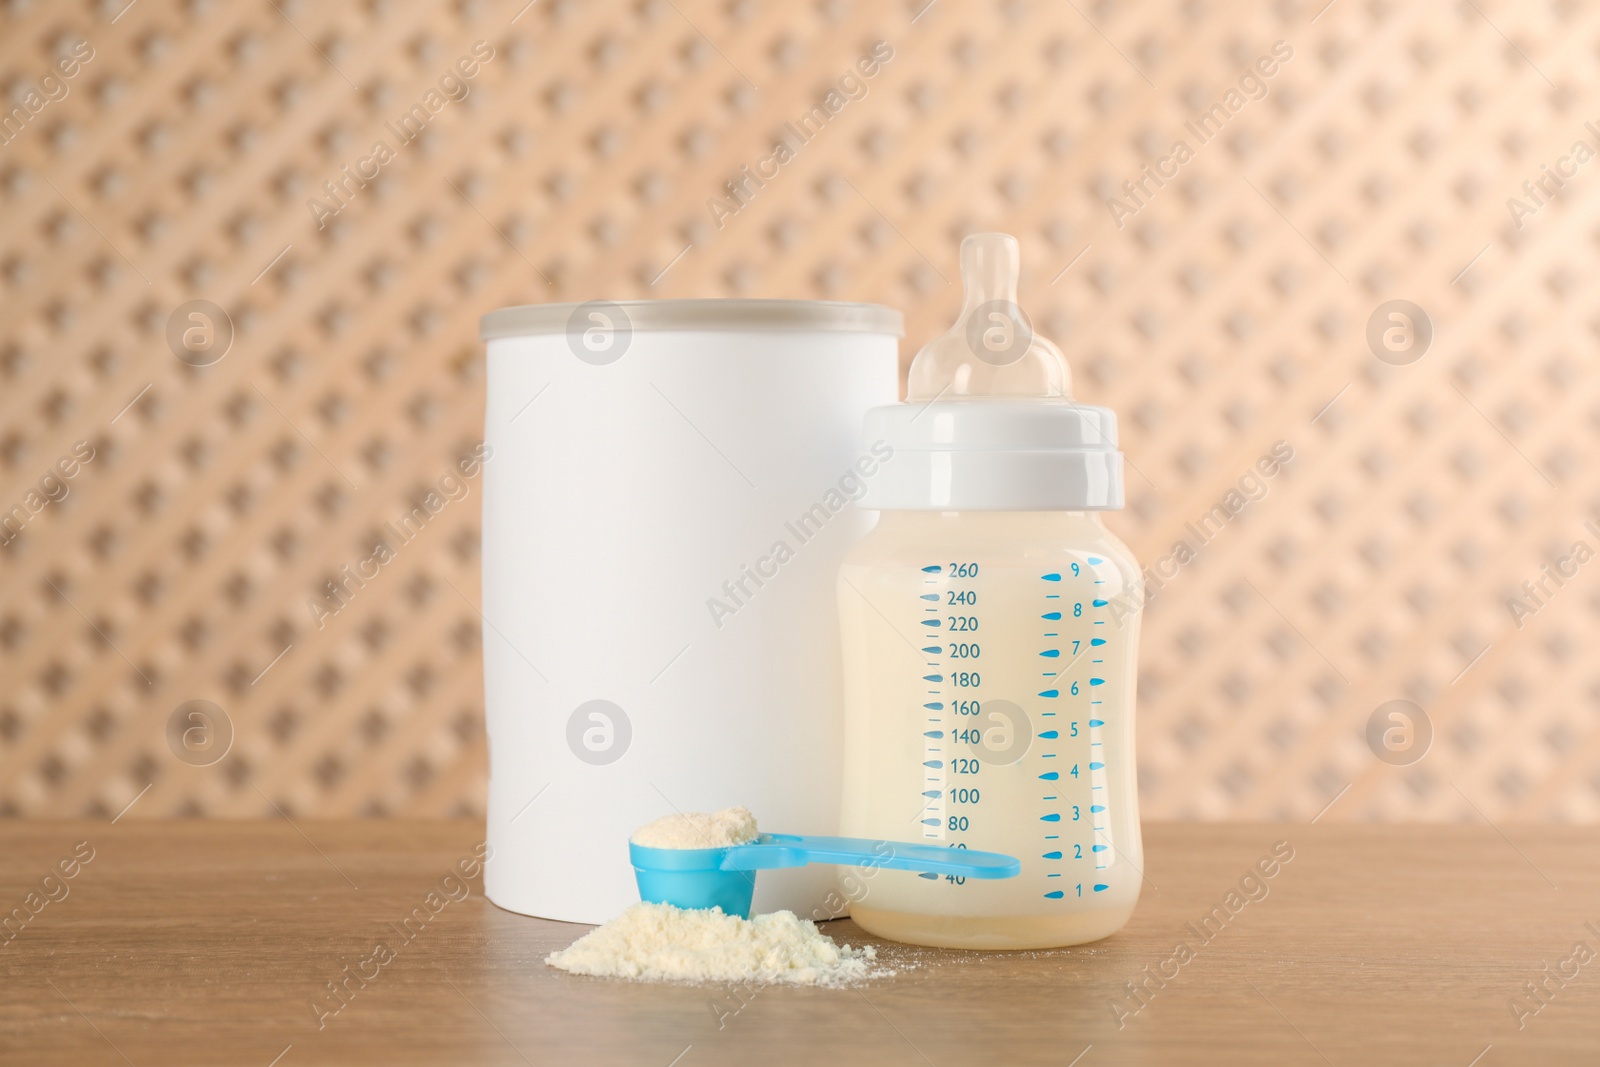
[{"x": 991, "y": 350}]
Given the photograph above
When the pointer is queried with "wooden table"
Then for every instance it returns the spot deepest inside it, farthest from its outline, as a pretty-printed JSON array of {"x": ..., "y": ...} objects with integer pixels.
[{"x": 209, "y": 942}]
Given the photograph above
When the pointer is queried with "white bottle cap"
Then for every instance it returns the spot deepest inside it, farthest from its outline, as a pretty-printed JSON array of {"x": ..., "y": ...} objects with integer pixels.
[
  {"x": 989, "y": 423},
  {"x": 995, "y": 455}
]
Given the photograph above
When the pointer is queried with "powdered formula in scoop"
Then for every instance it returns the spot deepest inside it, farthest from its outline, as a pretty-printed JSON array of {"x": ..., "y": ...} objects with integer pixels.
[
  {"x": 722, "y": 829},
  {"x": 661, "y": 943}
]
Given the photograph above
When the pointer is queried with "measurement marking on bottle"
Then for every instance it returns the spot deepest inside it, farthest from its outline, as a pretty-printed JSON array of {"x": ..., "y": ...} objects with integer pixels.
[
  {"x": 1051, "y": 736},
  {"x": 1100, "y": 850},
  {"x": 962, "y": 708},
  {"x": 934, "y": 808}
]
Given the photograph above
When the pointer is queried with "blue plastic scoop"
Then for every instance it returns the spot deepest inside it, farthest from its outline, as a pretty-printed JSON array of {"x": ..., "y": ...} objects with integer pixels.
[{"x": 725, "y": 877}]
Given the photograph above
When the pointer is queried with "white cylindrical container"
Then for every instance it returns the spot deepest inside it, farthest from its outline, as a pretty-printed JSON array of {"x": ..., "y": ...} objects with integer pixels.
[{"x": 665, "y": 506}]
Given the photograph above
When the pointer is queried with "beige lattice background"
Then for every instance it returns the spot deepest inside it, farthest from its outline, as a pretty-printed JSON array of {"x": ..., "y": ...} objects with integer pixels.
[{"x": 1228, "y": 313}]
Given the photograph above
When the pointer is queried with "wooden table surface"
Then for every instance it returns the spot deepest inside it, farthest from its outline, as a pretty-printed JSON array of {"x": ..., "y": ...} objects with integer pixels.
[{"x": 209, "y": 942}]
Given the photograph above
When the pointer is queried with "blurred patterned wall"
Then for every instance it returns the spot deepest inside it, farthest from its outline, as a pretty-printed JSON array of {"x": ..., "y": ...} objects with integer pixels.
[{"x": 239, "y": 338}]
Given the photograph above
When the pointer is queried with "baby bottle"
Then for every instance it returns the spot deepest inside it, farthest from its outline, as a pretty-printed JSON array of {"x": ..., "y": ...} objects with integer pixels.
[{"x": 991, "y": 628}]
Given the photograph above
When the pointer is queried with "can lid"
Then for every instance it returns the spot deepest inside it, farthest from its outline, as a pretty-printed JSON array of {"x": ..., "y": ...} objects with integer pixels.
[{"x": 730, "y": 314}]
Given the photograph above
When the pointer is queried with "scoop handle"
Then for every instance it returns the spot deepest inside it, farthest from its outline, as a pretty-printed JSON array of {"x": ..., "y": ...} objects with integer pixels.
[{"x": 797, "y": 850}]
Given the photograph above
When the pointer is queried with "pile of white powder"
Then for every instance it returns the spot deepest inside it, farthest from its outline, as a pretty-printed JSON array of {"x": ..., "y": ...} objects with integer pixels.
[
  {"x": 661, "y": 943},
  {"x": 722, "y": 829}
]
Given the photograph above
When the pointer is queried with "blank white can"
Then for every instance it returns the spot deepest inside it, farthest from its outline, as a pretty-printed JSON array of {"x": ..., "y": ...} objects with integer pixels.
[{"x": 667, "y": 499}]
